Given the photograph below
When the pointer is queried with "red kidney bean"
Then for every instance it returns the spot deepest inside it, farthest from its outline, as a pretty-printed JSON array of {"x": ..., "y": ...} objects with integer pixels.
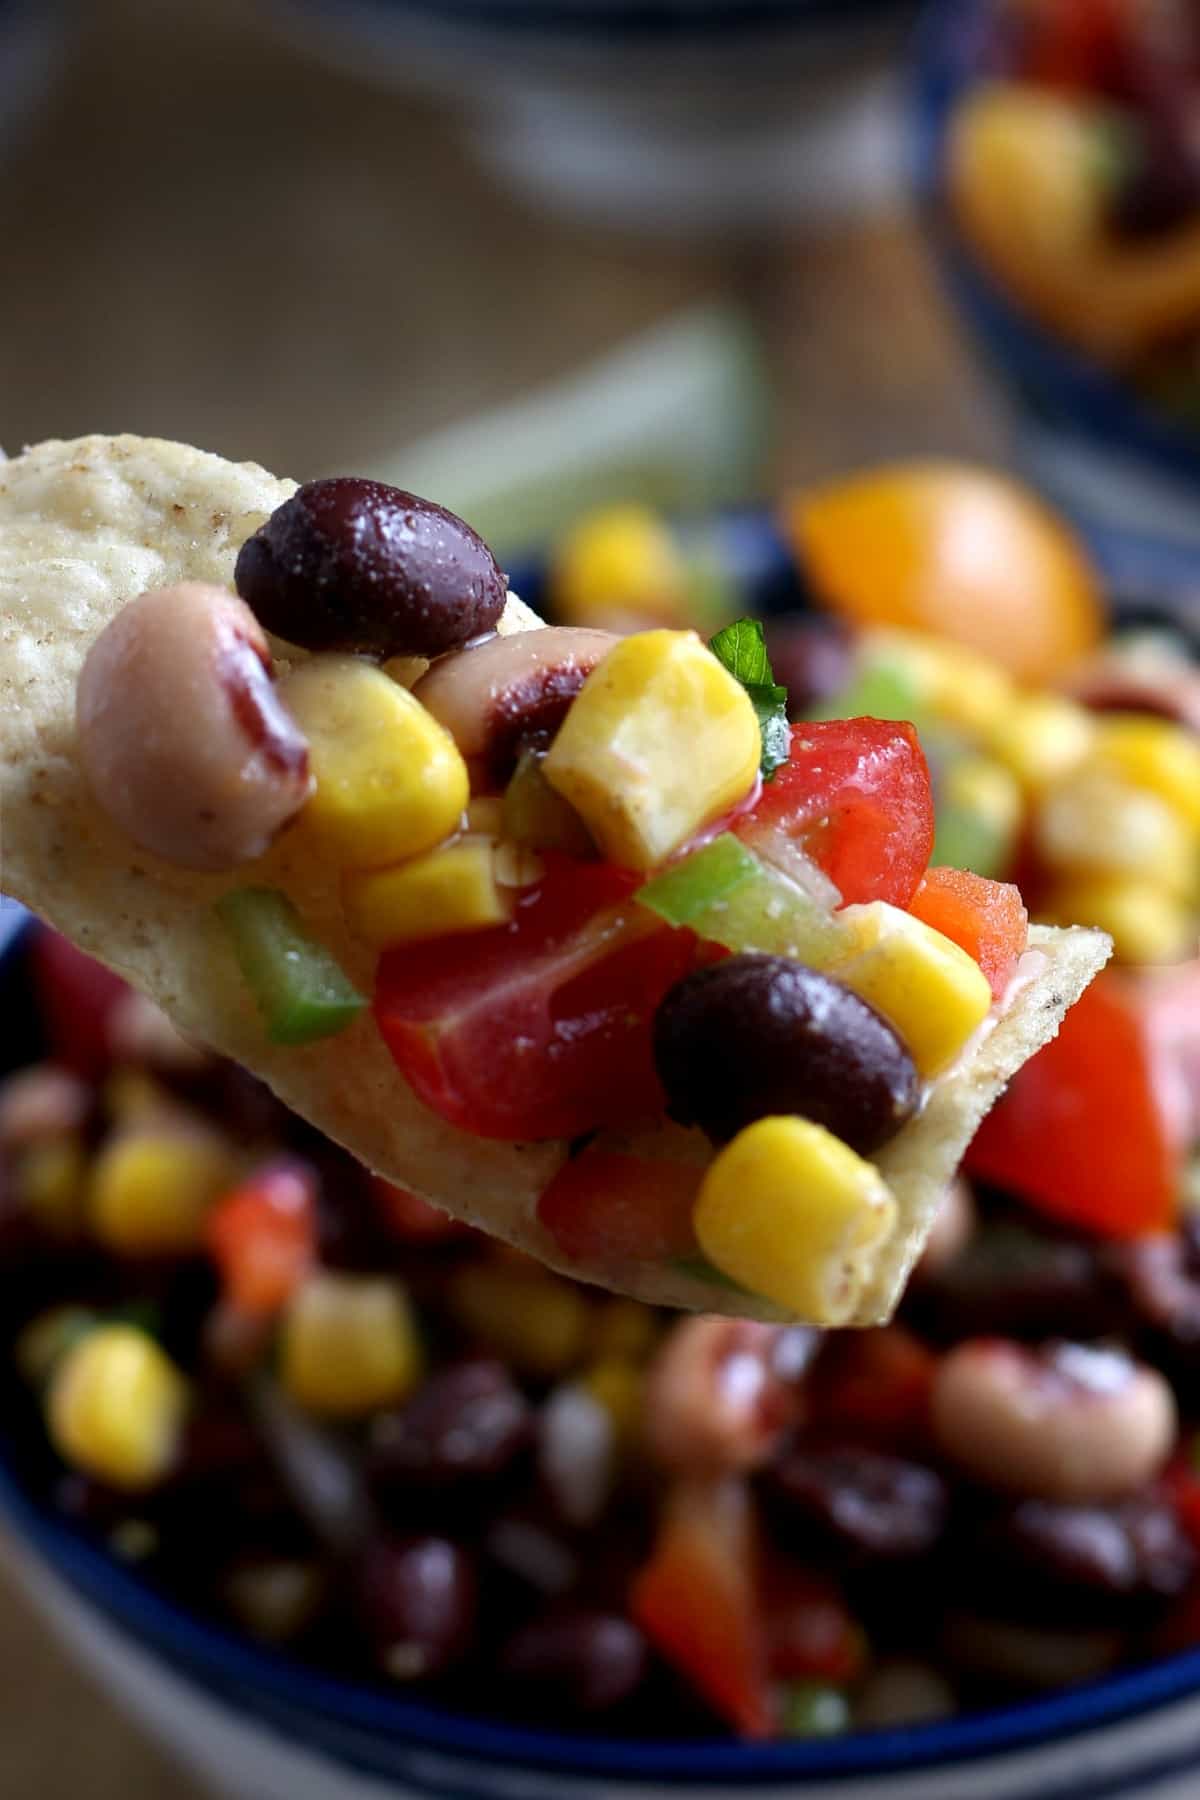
[
  {"x": 466, "y": 1424},
  {"x": 417, "y": 1597},
  {"x": 575, "y": 1663},
  {"x": 865, "y": 1504}
]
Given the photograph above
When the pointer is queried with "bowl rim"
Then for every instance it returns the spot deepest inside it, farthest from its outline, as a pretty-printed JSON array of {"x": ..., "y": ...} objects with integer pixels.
[
  {"x": 281, "y": 1690},
  {"x": 644, "y": 20},
  {"x": 1051, "y": 377}
]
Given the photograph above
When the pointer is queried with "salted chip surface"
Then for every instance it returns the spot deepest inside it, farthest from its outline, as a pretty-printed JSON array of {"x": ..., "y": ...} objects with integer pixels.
[{"x": 84, "y": 527}]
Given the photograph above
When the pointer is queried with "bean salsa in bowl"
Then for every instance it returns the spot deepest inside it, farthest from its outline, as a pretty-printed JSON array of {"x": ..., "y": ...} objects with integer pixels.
[{"x": 251, "y": 1388}]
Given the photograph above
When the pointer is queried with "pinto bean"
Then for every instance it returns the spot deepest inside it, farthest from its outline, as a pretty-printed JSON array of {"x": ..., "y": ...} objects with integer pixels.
[
  {"x": 1064, "y": 1422},
  {"x": 511, "y": 691},
  {"x": 715, "y": 1397},
  {"x": 182, "y": 737}
]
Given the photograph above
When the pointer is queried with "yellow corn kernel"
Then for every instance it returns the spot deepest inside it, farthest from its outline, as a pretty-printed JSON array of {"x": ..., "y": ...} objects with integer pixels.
[
  {"x": 926, "y": 986},
  {"x": 485, "y": 815},
  {"x": 1040, "y": 737},
  {"x": 1092, "y": 822},
  {"x": 450, "y": 889},
  {"x": 390, "y": 780},
  {"x": 115, "y": 1407},
  {"x": 529, "y": 1317},
  {"x": 659, "y": 741},
  {"x": 618, "y": 1386},
  {"x": 1146, "y": 924},
  {"x": 406, "y": 670},
  {"x": 50, "y": 1180},
  {"x": 150, "y": 1188},
  {"x": 348, "y": 1344},
  {"x": 620, "y": 560},
  {"x": 131, "y": 1095},
  {"x": 984, "y": 787},
  {"x": 623, "y": 1328},
  {"x": 47, "y": 1338},
  {"x": 964, "y": 687},
  {"x": 1154, "y": 754},
  {"x": 790, "y": 1212}
]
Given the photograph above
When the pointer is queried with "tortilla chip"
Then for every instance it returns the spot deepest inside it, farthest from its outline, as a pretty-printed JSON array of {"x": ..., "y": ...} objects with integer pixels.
[{"x": 85, "y": 526}]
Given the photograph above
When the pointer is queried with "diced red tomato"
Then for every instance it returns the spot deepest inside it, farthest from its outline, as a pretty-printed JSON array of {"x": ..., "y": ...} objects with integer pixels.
[
  {"x": 412, "y": 1219},
  {"x": 811, "y": 1635},
  {"x": 618, "y": 1202},
  {"x": 987, "y": 918},
  {"x": 1075, "y": 44},
  {"x": 697, "y": 1600},
  {"x": 855, "y": 796},
  {"x": 263, "y": 1236},
  {"x": 1181, "y": 1485},
  {"x": 74, "y": 999},
  {"x": 874, "y": 1383},
  {"x": 1082, "y": 1131},
  {"x": 542, "y": 1027}
]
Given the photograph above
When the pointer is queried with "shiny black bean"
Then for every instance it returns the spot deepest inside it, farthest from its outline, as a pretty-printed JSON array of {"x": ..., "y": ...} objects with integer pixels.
[
  {"x": 349, "y": 564},
  {"x": 467, "y": 1424},
  {"x": 812, "y": 656},
  {"x": 1020, "y": 1281},
  {"x": 1080, "y": 1565},
  {"x": 756, "y": 1035},
  {"x": 1161, "y": 1276},
  {"x": 417, "y": 1598},
  {"x": 575, "y": 1663},
  {"x": 862, "y": 1503}
]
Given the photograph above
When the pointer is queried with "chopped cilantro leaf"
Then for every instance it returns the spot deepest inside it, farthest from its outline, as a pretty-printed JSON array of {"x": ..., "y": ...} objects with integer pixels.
[{"x": 742, "y": 649}]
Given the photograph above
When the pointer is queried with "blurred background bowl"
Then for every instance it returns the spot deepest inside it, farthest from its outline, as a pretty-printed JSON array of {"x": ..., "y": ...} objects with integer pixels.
[
  {"x": 669, "y": 116},
  {"x": 1085, "y": 435}
]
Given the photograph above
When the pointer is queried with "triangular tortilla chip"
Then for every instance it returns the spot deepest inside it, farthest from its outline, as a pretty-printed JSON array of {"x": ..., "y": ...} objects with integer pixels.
[{"x": 86, "y": 525}]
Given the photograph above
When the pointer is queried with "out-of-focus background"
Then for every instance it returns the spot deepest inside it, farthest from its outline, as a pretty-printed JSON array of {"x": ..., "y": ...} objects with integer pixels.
[{"x": 213, "y": 233}]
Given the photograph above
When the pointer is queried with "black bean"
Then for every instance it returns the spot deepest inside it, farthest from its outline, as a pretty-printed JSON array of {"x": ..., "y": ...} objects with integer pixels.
[
  {"x": 863, "y": 1503},
  {"x": 756, "y": 1035},
  {"x": 417, "y": 1598},
  {"x": 812, "y": 656},
  {"x": 577, "y": 1663},
  {"x": 1040, "y": 1559},
  {"x": 467, "y": 1424},
  {"x": 349, "y": 564},
  {"x": 1018, "y": 1280},
  {"x": 1161, "y": 1276}
]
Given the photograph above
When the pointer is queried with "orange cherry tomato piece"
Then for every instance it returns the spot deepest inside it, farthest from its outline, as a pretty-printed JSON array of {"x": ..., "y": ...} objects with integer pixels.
[
  {"x": 1083, "y": 1131},
  {"x": 263, "y": 1236},
  {"x": 875, "y": 1384},
  {"x": 697, "y": 1600},
  {"x": 955, "y": 551},
  {"x": 985, "y": 918},
  {"x": 811, "y": 1635}
]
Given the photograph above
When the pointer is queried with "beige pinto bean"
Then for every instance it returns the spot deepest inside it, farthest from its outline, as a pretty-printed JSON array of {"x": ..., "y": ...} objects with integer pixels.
[
  {"x": 492, "y": 697},
  {"x": 1067, "y": 1422},
  {"x": 953, "y": 1227},
  {"x": 183, "y": 738},
  {"x": 39, "y": 1103},
  {"x": 719, "y": 1394}
]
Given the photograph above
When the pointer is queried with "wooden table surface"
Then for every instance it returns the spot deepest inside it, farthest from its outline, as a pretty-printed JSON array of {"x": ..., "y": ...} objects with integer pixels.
[{"x": 206, "y": 237}]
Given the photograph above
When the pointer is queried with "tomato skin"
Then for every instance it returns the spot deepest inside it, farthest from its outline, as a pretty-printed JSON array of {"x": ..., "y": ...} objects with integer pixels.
[
  {"x": 263, "y": 1236},
  {"x": 874, "y": 1384},
  {"x": 986, "y": 918},
  {"x": 410, "y": 1218},
  {"x": 75, "y": 996},
  {"x": 611, "y": 1205},
  {"x": 1082, "y": 1132},
  {"x": 811, "y": 1635},
  {"x": 855, "y": 796},
  {"x": 697, "y": 1600},
  {"x": 539, "y": 1028}
]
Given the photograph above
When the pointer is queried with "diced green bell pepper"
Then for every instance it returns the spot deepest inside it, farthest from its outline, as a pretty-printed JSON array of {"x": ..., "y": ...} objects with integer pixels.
[{"x": 299, "y": 988}]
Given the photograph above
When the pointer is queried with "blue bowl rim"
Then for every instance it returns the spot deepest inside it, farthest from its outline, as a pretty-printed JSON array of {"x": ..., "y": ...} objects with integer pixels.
[
  {"x": 276, "y": 1688},
  {"x": 644, "y": 20},
  {"x": 1072, "y": 387}
]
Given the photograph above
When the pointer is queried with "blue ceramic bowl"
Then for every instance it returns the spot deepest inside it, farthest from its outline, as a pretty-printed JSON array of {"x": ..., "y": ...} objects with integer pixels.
[
  {"x": 1089, "y": 435},
  {"x": 261, "y": 1726}
]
